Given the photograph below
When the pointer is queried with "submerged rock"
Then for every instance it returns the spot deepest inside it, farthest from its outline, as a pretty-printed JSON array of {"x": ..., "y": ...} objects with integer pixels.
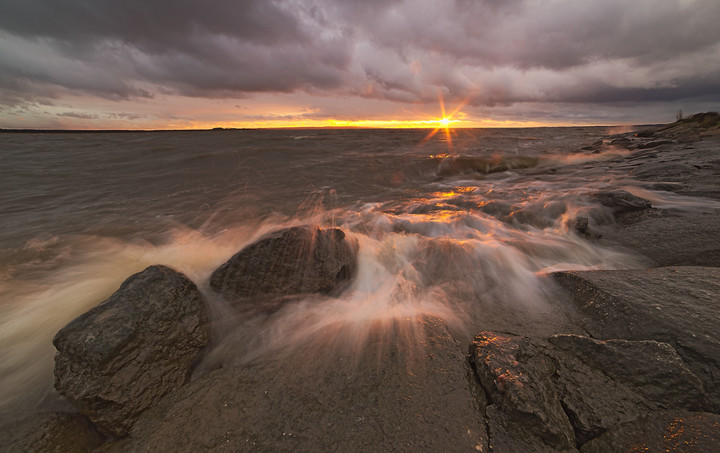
[
  {"x": 50, "y": 432},
  {"x": 621, "y": 201},
  {"x": 674, "y": 305},
  {"x": 122, "y": 356},
  {"x": 457, "y": 165},
  {"x": 654, "y": 144},
  {"x": 297, "y": 260},
  {"x": 622, "y": 142}
]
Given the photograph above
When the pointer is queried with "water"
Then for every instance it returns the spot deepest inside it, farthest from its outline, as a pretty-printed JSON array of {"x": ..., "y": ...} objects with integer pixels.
[{"x": 460, "y": 226}]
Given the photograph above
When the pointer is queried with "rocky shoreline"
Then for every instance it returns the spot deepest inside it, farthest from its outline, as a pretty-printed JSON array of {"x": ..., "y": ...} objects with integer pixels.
[{"x": 633, "y": 365}]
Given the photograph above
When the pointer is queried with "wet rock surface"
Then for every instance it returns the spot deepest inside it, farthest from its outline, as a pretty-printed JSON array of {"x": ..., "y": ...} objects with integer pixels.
[
  {"x": 671, "y": 237},
  {"x": 662, "y": 432},
  {"x": 396, "y": 393},
  {"x": 121, "y": 357},
  {"x": 293, "y": 261},
  {"x": 621, "y": 201},
  {"x": 51, "y": 432},
  {"x": 559, "y": 393},
  {"x": 674, "y": 305},
  {"x": 525, "y": 411}
]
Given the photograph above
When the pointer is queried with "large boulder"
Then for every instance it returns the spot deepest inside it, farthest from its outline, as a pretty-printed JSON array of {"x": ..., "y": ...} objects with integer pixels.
[
  {"x": 674, "y": 305},
  {"x": 122, "y": 356},
  {"x": 298, "y": 260}
]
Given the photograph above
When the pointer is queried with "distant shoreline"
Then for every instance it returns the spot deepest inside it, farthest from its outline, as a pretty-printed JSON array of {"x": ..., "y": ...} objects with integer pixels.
[{"x": 106, "y": 131}]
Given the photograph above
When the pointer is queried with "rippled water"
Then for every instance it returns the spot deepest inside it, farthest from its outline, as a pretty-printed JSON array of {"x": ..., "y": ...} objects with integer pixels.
[{"x": 457, "y": 226}]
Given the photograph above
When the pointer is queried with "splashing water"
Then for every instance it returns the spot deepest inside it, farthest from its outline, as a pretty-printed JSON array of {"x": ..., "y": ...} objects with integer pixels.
[{"x": 464, "y": 238}]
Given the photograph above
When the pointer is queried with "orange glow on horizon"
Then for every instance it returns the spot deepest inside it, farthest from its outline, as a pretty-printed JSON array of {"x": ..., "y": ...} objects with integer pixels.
[{"x": 438, "y": 124}]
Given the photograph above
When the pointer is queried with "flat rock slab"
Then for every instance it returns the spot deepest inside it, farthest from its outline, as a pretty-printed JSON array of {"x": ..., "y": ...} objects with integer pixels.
[
  {"x": 669, "y": 431},
  {"x": 50, "y": 432},
  {"x": 674, "y": 305},
  {"x": 393, "y": 393},
  {"x": 119, "y": 358},
  {"x": 672, "y": 238}
]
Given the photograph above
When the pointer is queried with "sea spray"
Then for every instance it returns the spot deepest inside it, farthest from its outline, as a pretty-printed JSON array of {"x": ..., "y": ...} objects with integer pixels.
[{"x": 469, "y": 248}]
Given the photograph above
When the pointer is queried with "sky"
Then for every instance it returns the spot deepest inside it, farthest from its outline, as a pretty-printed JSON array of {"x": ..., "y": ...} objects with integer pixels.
[{"x": 178, "y": 64}]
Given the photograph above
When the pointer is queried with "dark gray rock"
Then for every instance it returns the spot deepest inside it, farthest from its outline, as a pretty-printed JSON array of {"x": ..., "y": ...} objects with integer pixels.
[
  {"x": 51, "y": 432},
  {"x": 671, "y": 238},
  {"x": 595, "y": 147},
  {"x": 622, "y": 142},
  {"x": 122, "y": 356},
  {"x": 646, "y": 133},
  {"x": 621, "y": 201},
  {"x": 525, "y": 410},
  {"x": 293, "y": 261},
  {"x": 581, "y": 225},
  {"x": 662, "y": 432},
  {"x": 406, "y": 387},
  {"x": 592, "y": 400},
  {"x": 563, "y": 393},
  {"x": 663, "y": 171},
  {"x": 654, "y": 144},
  {"x": 674, "y": 305},
  {"x": 650, "y": 368}
]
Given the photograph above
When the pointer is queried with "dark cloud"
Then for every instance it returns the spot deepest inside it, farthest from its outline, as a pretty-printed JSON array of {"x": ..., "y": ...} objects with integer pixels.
[
  {"x": 79, "y": 115},
  {"x": 485, "y": 52}
]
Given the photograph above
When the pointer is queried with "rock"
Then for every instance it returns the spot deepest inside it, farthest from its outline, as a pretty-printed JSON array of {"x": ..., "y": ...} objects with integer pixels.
[
  {"x": 122, "y": 356},
  {"x": 654, "y": 144},
  {"x": 650, "y": 368},
  {"x": 50, "y": 432},
  {"x": 645, "y": 133},
  {"x": 671, "y": 238},
  {"x": 622, "y": 142},
  {"x": 296, "y": 260},
  {"x": 593, "y": 401},
  {"x": 674, "y": 305},
  {"x": 621, "y": 201},
  {"x": 663, "y": 171},
  {"x": 668, "y": 431},
  {"x": 458, "y": 165},
  {"x": 524, "y": 411},
  {"x": 558, "y": 394},
  {"x": 406, "y": 388},
  {"x": 581, "y": 225},
  {"x": 595, "y": 147}
]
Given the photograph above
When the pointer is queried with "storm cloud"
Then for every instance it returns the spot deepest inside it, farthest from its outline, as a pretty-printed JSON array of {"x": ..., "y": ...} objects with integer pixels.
[{"x": 480, "y": 52}]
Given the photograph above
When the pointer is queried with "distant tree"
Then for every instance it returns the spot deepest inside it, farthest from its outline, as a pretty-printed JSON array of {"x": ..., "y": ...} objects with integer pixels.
[{"x": 679, "y": 115}]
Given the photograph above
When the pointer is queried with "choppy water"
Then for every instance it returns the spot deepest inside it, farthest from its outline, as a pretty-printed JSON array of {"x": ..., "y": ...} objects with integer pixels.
[{"x": 456, "y": 226}]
